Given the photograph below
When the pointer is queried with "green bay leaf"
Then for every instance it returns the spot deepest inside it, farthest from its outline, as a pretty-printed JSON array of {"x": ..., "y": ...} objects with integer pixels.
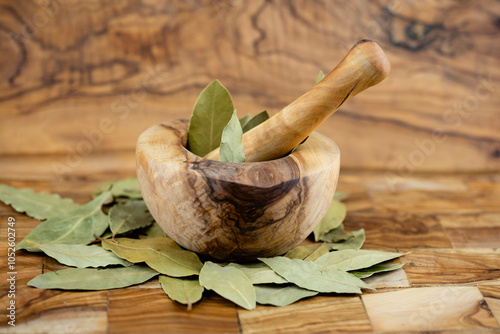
[
  {"x": 244, "y": 120},
  {"x": 350, "y": 259},
  {"x": 309, "y": 252},
  {"x": 161, "y": 254},
  {"x": 231, "y": 146},
  {"x": 37, "y": 205},
  {"x": 81, "y": 256},
  {"x": 183, "y": 290},
  {"x": 93, "y": 279},
  {"x": 126, "y": 216},
  {"x": 378, "y": 268},
  {"x": 229, "y": 282},
  {"x": 259, "y": 273},
  {"x": 256, "y": 120},
  {"x": 320, "y": 76},
  {"x": 153, "y": 231},
  {"x": 211, "y": 113},
  {"x": 355, "y": 242},
  {"x": 279, "y": 295},
  {"x": 128, "y": 188},
  {"x": 314, "y": 276},
  {"x": 332, "y": 219},
  {"x": 78, "y": 226}
]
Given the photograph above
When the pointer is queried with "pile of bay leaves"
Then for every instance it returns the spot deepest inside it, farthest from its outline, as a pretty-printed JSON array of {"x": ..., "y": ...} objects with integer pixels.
[{"x": 113, "y": 241}]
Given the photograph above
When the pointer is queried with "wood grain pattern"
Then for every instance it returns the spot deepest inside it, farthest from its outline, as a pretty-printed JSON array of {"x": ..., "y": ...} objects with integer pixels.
[
  {"x": 73, "y": 70},
  {"x": 237, "y": 211}
]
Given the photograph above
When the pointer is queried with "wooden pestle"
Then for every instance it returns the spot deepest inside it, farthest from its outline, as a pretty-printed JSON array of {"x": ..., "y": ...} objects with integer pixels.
[{"x": 364, "y": 66}]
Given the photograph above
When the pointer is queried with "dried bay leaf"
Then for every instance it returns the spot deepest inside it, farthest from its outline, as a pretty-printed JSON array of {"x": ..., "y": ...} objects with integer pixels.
[
  {"x": 314, "y": 276},
  {"x": 37, "y": 205},
  {"x": 77, "y": 226},
  {"x": 332, "y": 219},
  {"x": 93, "y": 279},
  {"x": 256, "y": 120},
  {"x": 229, "y": 282},
  {"x": 378, "y": 268},
  {"x": 231, "y": 146},
  {"x": 126, "y": 216},
  {"x": 128, "y": 188},
  {"x": 355, "y": 259},
  {"x": 211, "y": 113},
  {"x": 279, "y": 295},
  {"x": 81, "y": 256},
  {"x": 337, "y": 234},
  {"x": 153, "y": 231},
  {"x": 309, "y": 252},
  {"x": 341, "y": 195},
  {"x": 320, "y": 76},
  {"x": 161, "y": 254},
  {"x": 259, "y": 273},
  {"x": 244, "y": 120},
  {"x": 183, "y": 290},
  {"x": 355, "y": 242}
]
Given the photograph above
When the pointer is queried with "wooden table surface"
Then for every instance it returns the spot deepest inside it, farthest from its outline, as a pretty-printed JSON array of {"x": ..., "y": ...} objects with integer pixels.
[{"x": 449, "y": 226}]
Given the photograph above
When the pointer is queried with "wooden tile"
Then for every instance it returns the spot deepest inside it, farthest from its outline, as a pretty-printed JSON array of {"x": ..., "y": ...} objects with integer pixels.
[
  {"x": 135, "y": 310},
  {"x": 452, "y": 266},
  {"x": 432, "y": 308},
  {"x": 491, "y": 294},
  {"x": 78, "y": 190},
  {"x": 314, "y": 315},
  {"x": 54, "y": 311},
  {"x": 480, "y": 230},
  {"x": 486, "y": 193},
  {"x": 27, "y": 267},
  {"x": 358, "y": 199},
  {"x": 422, "y": 196},
  {"x": 23, "y": 226},
  {"x": 398, "y": 230}
]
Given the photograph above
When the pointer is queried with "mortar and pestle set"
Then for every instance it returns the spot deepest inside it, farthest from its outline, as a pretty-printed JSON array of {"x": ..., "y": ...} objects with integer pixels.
[{"x": 271, "y": 203}]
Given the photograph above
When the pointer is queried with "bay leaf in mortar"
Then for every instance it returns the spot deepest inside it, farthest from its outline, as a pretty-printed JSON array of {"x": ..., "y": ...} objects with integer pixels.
[
  {"x": 314, "y": 276},
  {"x": 127, "y": 188},
  {"x": 161, "y": 254},
  {"x": 256, "y": 120},
  {"x": 378, "y": 268},
  {"x": 229, "y": 282},
  {"x": 37, "y": 205},
  {"x": 309, "y": 252},
  {"x": 231, "y": 146},
  {"x": 320, "y": 76},
  {"x": 341, "y": 195},
  {"x": 279, "y": 295},
  {"x": 355, "y": 242},
  {"x": 355, "y": 259},
  {"x": 183, "y": 290},
  {"x": 81, "y": 256},
  {"x": 93, "y": 279},
  {"x": 126, "y": 216},
  {"x": 244, "y": 120},
  {"x": 211, "y": 113},
  {"x": 332, "y": 219},
  {"x": 259, "y": 273},
  {"x": 78, "y": 226}
]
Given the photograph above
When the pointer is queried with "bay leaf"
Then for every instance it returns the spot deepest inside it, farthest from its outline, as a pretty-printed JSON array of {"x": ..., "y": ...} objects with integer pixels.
[
  {"x": 211, "y": 113},
  {"x": 229, "y": 282},
  {"x": 350, "y": 259},
  {"x": 333, "y": 217},
  {"x": 279, "y": 295},
  {"x": 244, "y": 120},
  {"x": 128, "y": 188},
  {"x": 126, "y": 216},
  {"x": 259, "y": 273},
  {"x": 231, "y": 146},
  {"x": 378, "y": 268},
  {"x": 153, "y": 231},
  {"x": 309, "y": 252},
  {"x": 78, "y": 226},
  {"x": 314, "y": 276},
  {"x": 341, "y": 195},
  {"x": 256, "y": 120},
  {"x": 320, "y": 76},
  {"x": 337, "y": 234},
  {"x": 355, "y": 243},
  {"x": 161, "y": 254},
  {"x": 93, "y": 279},
  {"x": 183, "y": 290},
  {"x": 81, "y": 256},
  {"x": 37, "y": 205}
]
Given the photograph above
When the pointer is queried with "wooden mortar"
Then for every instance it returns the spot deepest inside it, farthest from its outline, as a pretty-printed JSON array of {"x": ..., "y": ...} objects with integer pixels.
[{"x": 241, "y": 211}]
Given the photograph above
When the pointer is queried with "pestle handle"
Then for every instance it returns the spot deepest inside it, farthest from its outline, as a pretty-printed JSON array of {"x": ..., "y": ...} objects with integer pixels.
[{"x": 364, "y": 66}]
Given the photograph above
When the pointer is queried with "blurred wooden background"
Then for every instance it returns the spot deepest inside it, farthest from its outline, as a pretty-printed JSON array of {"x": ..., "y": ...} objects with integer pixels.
[{"x": 85, "y": 78}]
